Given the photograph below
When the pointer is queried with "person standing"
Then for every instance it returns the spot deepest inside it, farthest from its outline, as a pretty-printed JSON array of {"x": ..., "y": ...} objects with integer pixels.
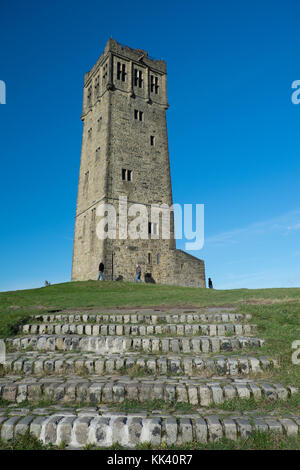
[
  {"x": 101, "y": 272},
  {"x": 210, "y": 284},
  {"x": 138, "y": 273}
]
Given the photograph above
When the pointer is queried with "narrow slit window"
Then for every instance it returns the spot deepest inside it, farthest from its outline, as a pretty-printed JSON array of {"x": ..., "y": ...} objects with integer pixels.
[
  {"x": 93, "y": 219},
  {"x": 123, "y": 73},
  {"x": 153, "y": 228},
  {"x": 154, "y": 84},
  {"x": 86, "y": 183},
  {"x": 105, "y": 72},
  {"x": 149, "y": 258},
  {"x": 118, "y": 70},
  {"x": 93, "y": 224},
  {"x": 138, "y": 115},
  {"x": 126, "y": 175},
  {"x": 97, "y": 86},
  {"x": 138, "y": 78},
  {"x": 152, "y": 140},
  {"x": 89, "y": 96}
]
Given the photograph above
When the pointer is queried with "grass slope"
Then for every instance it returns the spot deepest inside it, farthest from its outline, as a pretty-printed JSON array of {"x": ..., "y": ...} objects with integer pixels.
[
  {"x": 275, "y": 311},
  {"x": 257, "y": 441},
  {"x": 122, "y": 294}
]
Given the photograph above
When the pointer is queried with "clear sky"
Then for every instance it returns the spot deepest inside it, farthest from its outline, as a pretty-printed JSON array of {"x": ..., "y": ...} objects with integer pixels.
[{"x": 233, "y": 130}]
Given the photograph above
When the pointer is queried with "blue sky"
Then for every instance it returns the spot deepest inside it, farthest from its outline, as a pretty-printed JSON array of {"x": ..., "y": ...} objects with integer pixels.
[{"x": 233, "y": 130}]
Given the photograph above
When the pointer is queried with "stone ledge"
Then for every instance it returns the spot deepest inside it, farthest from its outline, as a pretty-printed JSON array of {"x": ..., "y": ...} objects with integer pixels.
[
  {"x": 143, "y": 317},
  {"x": 182, "y": 329},
  {"x": 128, "y": 430},
  {"x": 78, "y": 363},
  {"x": 195, "y": 391},
  {"x": 119, "y": 344}
]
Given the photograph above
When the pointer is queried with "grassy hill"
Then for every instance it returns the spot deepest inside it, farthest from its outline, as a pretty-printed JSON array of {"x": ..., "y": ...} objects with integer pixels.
[
  {"x": 275, "y": 311},
  {"x": 123, "y": 294},
  {"x": 17, "y": 305}
]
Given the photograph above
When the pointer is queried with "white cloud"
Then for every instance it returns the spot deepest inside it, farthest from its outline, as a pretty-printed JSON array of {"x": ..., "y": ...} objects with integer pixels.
[
  {"x": 294, "y": 227},
  {"x": 282, "y": 224}
]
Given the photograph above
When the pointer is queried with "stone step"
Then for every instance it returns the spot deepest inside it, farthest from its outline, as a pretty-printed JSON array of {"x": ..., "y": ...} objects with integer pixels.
[
  {"x": 76, "y": 429},
  {"x": 150, "y": 319},
  {"x": 119, "y": 344},
  {"x": 138, "y": 330},
  {"x": 76, "y": 363},
  {"x": 95, "y": 390}
]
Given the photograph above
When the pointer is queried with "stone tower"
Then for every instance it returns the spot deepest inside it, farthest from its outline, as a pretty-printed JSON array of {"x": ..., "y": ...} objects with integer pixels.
[{"x": 125, "y": 153}]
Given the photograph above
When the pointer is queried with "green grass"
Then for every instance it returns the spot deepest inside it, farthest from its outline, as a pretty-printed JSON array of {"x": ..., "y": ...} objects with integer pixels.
[
  {"x": 291, "y": 405},
  {"x": 117, "y": 294},
  {"x": 275, "y": 311},
  {"x": 257, "y": 441},
  {"x": 26, "y": 442},
  {"x": 132, "y": 406},
  {"x": 16, "y": 306},
  {"x": 279, "y": 325}
]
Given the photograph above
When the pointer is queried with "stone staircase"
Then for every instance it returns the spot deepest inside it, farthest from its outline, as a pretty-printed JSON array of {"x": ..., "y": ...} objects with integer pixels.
[{"x": 68, "y": 375}]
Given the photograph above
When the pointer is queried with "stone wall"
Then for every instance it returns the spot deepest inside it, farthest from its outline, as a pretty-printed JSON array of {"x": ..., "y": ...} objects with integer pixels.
[{"x": 125, "y": 129}]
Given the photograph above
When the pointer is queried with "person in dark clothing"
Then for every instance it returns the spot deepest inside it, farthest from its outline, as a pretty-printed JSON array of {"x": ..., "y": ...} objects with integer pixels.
[
  {"x": 138, "y": 273},
  {"x": 101, "y": 272},
  {"x": 210, "y": 284}
]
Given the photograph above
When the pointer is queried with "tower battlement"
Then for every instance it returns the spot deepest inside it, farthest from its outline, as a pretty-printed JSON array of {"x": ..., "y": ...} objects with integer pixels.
[
  {"x": 136, "y": 55},
  {"x": 128, "y": 70}
]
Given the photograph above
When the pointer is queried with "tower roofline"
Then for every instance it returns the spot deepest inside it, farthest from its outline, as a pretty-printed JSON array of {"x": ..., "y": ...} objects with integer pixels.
[{"x": 136, "y": 55}]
